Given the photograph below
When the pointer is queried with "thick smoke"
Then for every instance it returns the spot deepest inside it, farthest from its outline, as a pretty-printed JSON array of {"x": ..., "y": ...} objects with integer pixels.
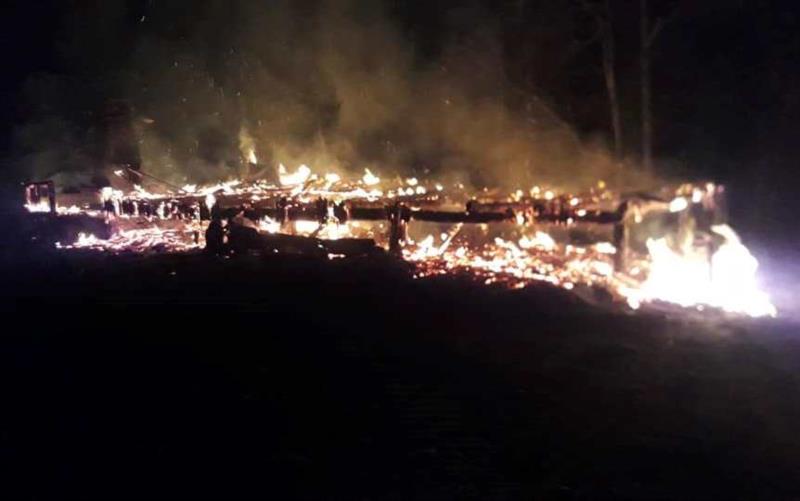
[{"x": 335, "y": 84}]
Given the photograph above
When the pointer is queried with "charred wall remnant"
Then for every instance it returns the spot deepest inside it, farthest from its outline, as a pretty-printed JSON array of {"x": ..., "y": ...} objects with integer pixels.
[{"x": 235, "y": 216}]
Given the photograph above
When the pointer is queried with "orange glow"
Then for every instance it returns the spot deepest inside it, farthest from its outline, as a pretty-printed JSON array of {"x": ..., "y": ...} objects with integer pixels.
[{"x": 524, "y": 252}]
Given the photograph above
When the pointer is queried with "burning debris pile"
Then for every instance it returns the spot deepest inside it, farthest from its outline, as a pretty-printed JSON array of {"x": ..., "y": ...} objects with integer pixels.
[{"x": 669, "y": 247}]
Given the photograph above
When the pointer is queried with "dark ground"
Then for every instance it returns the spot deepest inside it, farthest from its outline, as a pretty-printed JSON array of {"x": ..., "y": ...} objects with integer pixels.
[{"x": 179, "y": 377}]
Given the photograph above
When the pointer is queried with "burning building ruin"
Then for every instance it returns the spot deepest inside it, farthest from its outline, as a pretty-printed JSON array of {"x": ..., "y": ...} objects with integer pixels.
[{"x": 672, "y": 246}]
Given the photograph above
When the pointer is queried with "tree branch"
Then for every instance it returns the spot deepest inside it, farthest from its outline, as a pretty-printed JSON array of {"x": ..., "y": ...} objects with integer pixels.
[
  {"x": 600, "y": 20},
  {"x": 655, "y": 31},
  {"x": 659, "y": 26},
  {"x": 578, "y": 46}
]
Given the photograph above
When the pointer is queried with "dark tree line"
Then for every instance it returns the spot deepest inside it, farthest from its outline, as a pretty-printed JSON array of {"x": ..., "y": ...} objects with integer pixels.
[{"x": 708, "y": 89}]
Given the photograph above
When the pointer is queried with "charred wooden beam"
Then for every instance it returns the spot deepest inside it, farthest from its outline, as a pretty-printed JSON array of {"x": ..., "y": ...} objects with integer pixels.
[
  {"x": 285, "y": 210},
  {"x": 242, "y": 239},
  {"x": 39, "y": 192},
  {"x": 65, "y": 228},
  {"x": 398, "y": 229}
]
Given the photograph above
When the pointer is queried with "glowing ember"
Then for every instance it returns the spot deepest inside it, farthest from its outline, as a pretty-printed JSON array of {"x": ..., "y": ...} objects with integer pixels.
[
  {"x": 506, "y": 263},
  {"x": 298, "y": 177},
  {"x": 334, "y": 231},
  {"x": 269, "y": 225},
  {"x": 306, "y": 227},
  {"x": 369, "y": 178},
  {"x": 686, "y": 273},
  {"x": 42, "y": 206},
  {"x": 678, "y": 204},
  {"x": 540, "y": 239},
  {"x": 143, "y": 240}
]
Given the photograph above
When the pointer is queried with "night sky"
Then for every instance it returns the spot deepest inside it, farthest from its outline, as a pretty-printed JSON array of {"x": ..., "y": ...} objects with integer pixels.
[{"x": 724, "y": 84}]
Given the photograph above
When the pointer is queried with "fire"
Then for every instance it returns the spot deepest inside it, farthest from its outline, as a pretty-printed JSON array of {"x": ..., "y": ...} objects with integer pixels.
[
  {"x": 540, "y": 239},
  {"x": 369, "y": 178},
  {"x": 502, "y": 262},
  {"x": 727, "y": 280},
  {"x": 678, "y": 204},
  {"x": 306, "y": 227},
  {"x": 140, "y": 240},
  {"x": 528, "y": 247},
  {"x": 210, "y": 200},
  {"x": 334, "y": 231},
  {"x": 300, "y": 176},
  {"x": 42, "y": 206},
  {"x": 269, "y": 225}
]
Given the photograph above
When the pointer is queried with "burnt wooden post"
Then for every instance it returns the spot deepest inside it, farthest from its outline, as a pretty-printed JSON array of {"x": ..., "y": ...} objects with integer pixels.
[
  {"x": 35, "y": 192},
  {"x": 342, "y": 211},
  {"x": 322, "y": 211},
  {"x": 398, "y": 229},
  {"x": 621, "y": 238},
  {"x": 215, "y": 235},
  {"x": 204, "y": 211},
  {"x": 51, "y": 195},
  {"x": 283, "y": 212}
]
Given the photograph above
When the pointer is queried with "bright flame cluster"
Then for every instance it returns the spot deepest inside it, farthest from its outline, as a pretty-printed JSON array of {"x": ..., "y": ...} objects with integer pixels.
[{"x": 725, "y": 280}]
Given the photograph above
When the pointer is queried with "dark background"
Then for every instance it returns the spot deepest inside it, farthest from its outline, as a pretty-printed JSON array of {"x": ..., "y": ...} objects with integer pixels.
[
  {"x": 188, "y": 377},
  {"x": 725, "y": 99}
]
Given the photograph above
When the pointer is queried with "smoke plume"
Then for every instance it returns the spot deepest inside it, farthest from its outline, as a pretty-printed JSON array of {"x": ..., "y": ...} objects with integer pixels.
[{"x": 335, "y": 84}]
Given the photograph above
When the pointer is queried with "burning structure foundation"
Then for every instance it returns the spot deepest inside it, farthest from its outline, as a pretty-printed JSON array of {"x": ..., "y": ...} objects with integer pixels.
[{"x": 636, "y": 246}]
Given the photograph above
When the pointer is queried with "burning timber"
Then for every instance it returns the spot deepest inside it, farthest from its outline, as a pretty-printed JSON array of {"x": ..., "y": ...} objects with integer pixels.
[{"x": 672, "y": 246}]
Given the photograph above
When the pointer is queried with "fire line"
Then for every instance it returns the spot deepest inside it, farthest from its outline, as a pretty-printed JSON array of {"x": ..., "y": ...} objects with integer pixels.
[{"x": 669, "y": 247}]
